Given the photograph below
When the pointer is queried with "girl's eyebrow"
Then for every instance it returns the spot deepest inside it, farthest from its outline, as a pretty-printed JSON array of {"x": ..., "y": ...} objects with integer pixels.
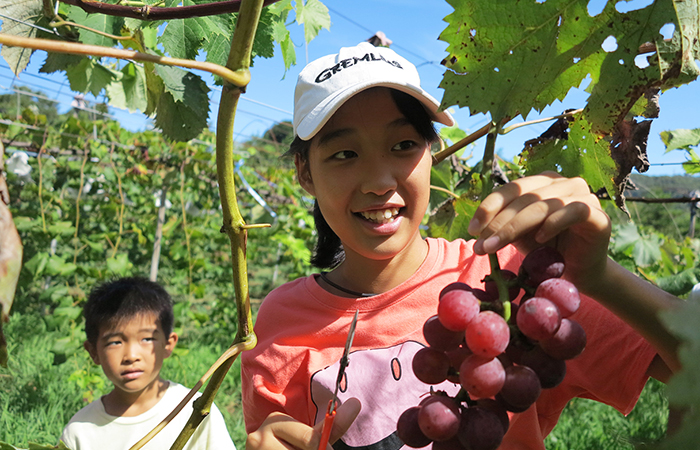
[{"x": 341, "y": 132}]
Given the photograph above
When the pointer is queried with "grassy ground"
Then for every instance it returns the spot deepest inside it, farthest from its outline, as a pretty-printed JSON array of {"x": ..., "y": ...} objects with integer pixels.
[{"x": 37, "y": 397}]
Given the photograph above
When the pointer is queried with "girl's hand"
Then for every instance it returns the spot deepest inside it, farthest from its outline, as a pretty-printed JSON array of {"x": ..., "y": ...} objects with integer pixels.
[
  {"x": 547, "y": 209},
  {"x": 280, "y": 431}
]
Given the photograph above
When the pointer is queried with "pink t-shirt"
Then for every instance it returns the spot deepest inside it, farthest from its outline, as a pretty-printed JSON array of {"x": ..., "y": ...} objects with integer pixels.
[{"x": 301, "y": 330}]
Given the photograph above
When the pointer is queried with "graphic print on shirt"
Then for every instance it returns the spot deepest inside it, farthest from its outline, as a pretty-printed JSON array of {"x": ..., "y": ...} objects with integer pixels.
[{"x": 383, "y": 380}]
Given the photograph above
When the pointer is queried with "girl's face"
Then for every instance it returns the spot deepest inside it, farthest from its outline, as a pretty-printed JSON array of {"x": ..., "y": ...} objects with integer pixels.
[{"x": 369, "y": 169}]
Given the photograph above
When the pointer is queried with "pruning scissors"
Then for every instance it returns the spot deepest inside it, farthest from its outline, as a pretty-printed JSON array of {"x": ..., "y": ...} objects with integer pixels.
[{"x": 330, "y": 412}]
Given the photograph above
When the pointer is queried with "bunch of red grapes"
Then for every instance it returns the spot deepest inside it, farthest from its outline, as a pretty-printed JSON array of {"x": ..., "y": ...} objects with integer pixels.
[{"x": 501, "y": 353}]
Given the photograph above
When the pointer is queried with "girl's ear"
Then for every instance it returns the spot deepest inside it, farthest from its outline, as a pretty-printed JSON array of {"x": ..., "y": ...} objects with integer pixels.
[{"x": 304, "y": 174}]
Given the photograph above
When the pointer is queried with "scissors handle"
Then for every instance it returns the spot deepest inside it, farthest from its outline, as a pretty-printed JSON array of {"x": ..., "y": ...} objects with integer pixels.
[{"x": 327, "y": 426}]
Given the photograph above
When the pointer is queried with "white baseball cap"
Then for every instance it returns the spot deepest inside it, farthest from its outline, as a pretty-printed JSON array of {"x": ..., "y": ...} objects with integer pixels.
[{"x": 328, "y": 82}]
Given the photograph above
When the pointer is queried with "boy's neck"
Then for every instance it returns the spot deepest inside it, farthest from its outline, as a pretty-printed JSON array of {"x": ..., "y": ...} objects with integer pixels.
[{"x": 130, "y": 404}]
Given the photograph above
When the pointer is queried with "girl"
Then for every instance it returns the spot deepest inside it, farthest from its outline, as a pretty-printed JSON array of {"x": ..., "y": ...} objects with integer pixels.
[{"x": 364, "y": 131}]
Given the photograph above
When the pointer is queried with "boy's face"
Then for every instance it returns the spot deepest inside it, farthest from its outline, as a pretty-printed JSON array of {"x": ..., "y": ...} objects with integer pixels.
[{"x": 131, "y": 353}]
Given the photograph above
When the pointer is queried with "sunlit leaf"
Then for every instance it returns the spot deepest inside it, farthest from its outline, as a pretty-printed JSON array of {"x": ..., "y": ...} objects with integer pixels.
[
  {"x": 26, "y": 12},
  {"x": 314, "y": 16}
]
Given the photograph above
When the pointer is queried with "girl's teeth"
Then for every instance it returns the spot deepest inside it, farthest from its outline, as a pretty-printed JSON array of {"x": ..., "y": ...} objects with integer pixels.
[{"x": 384, "y": 216}]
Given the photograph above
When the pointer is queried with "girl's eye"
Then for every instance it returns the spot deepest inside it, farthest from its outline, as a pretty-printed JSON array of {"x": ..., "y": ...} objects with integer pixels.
[
  {"x": 345, "y": 154},
  {"x": 404, "y": 145}
]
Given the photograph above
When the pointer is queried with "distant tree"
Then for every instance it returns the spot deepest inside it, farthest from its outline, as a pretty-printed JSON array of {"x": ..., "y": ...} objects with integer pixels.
[{"x": 28, "y": 98}]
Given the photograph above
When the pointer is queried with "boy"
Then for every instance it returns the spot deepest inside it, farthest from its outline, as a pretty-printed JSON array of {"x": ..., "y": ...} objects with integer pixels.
[{"x": 128, "y": 323}]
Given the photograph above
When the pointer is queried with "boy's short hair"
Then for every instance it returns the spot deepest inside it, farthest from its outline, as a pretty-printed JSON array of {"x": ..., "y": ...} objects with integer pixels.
[{"x": 114, "y": 301}]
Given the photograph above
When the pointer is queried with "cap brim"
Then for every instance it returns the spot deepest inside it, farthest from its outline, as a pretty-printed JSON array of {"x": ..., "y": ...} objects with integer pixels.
[{"x": 317, "y": 118}]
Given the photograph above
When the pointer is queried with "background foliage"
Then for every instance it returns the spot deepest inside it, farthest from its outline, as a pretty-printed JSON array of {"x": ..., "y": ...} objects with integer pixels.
[{"x": 86, "y": 202}]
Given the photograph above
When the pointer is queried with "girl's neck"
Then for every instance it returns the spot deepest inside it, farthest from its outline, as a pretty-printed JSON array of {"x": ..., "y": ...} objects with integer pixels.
[
  {"x": 362, "y": 274},
  {"x": 130, "y": 404}
]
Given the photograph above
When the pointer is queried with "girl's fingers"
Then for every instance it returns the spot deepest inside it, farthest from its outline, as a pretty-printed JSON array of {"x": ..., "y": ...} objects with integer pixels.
[
  {"x": 506, "y": 195},
  {"x": 282, "y": 432},
  {"x": 517, "y": 198},
  {"x": 543, "y": 220},
  {"x": 345, "y": 416}
]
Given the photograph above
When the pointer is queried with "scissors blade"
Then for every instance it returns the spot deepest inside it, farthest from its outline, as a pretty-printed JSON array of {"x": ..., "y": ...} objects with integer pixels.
[{"x": 344, "y": 360}]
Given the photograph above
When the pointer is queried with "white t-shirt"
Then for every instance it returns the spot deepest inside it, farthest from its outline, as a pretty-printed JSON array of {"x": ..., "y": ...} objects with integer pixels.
[{"x": 92, "y": 428}]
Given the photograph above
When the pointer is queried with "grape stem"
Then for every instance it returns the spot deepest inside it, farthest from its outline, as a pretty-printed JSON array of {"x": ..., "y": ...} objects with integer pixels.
[{"x": 486, "y": 189}]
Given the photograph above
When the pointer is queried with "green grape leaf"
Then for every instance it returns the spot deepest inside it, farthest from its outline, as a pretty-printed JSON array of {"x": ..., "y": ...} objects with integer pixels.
[
  {"x": 508, "y": 57},
  {"x": 451, "y": 220},
  {"x": 29, "y": 11},
  {"x": 178, "y": 120},
  {"x": 90, "y": 76},
  {"x": 289, "y": 55},
  {"x": 217, "y": 48},
  {"x": 119, "y": 264},
  {"x": 680, "y": 139},
  {"x": 55, "y": 62},
  {"x": 186, "y": 87},
  {"x": 314, "y": 16},
  {"x": 183, "y": 38},
  {"x": 280, "y": 33},
  {"x": 128, "y": 91},
  {"x": 680, "y": 283},
  {"x": 99, "y": 22},
  {"x": 264, "y": 44},
  {"x": 572, "y": 153}
]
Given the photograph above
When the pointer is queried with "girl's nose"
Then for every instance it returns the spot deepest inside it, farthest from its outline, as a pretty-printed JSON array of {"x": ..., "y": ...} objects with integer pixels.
[{"x": 379, "y": 177}]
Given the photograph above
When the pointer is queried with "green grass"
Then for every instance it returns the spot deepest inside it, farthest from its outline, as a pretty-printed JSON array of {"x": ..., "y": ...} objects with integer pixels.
[{"x": 589, "y": 425}]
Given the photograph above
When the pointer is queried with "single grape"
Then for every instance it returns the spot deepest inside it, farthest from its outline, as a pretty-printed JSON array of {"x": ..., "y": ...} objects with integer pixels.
[
  {"x": 550, "y": 371},
  {"x": 456, "y": 285},
  {"x": 408, "y": 430},
  {"x": 439, "y": 417},
  {"x": 451, "y": 444},
  {"x": 562, "y": 293},
  {"x": 538, "y": 318},
  {"x": 457, "y": 308},
  {"x": 481, "y": 377},
  {"x": 492, "y": 405},
  {"x": 480, "y": 429},
  {"x": 484, "y": 296},
  {"x": 567, "y": 343},
  {"x": 509, "y": 276},
  {"x": 431, "y": 366},
  {"x": 487, "y": 335},
  {"x": 521, "y": 388},
  {"x": 456, "y": 357},
  {"x": 541, "y": 264},
  {"x": 439, "y": 337}
]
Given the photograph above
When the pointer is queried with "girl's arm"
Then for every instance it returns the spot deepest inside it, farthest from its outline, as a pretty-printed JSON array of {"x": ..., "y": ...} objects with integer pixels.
[
  {"x": 548, "y": 209},
  {"x": 282, "y": 432}
]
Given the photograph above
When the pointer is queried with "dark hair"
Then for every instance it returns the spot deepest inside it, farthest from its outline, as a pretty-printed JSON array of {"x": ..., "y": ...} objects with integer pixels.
[
  {"x": 114, "y": 301},
  {"x": 328, "y": 251}
]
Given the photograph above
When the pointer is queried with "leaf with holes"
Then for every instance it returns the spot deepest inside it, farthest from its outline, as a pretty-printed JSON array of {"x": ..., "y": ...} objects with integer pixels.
[
  {"x": 508, "y": 57},
  {"x": 576, "y": 152}
]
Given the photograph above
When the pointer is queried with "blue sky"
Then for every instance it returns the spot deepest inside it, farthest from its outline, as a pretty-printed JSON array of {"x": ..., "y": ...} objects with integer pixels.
[{"x": 414, "y": 27}]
